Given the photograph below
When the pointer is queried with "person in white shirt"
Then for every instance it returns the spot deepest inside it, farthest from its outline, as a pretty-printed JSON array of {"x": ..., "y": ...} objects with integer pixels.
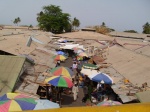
[
  {"x": 74, "y": 66},
  {"x": 75, "y": 91}
]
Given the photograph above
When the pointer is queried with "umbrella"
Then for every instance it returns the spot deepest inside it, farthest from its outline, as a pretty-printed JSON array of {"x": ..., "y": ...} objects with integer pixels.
[
  {"x": 101, "y": 77},
  {"x": 109, "y": 103},
  {"x": 60, "y": 53},
  {"x": 62, "y": 40},
  {"x": 45, "y": 104},
  {"x": 83, "y": 54},
  {"x": 79, "y": 58},
  {"x": 91, "y": 66},
  {"x": 16, "y": 102},
  {"x": 59, "y": 57},
  {"x": 60, "y": 81},
  {"x": 88, "y": 71},
  {"x": 64, "y": 71}
]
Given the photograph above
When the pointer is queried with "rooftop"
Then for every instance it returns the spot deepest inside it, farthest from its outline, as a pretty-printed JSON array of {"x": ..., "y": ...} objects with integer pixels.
[{"x": 10, "y": 68}]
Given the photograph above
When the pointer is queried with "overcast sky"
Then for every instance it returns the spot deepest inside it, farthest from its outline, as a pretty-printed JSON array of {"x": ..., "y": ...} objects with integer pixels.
[{"x": 118, "y": 14}]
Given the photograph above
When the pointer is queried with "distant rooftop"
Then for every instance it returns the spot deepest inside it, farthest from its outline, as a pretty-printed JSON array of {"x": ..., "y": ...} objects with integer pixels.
[
  {"x": 128, "y": 35},
  {"x": 88, "y": 29}
]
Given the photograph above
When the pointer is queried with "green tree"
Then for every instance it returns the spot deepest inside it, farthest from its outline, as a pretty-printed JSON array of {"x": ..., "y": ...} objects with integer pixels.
[
  {"x": 103, "y": 24},
  {"x": 17, "y": 20},
  {"x": 146, "y": 28},
  {"x": 53, "y": 19},
  {"x": 75, "y": 23}
]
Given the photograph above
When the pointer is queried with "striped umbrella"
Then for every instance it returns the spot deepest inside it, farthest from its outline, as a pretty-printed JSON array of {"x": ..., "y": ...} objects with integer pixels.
[
  {"x": 64, "y": 71},
  {"x": 59, "y": 57},
  {"x": 83, "y": 54},
  {"x": 16, "y": 102},
  {"x": 59, "y": 81}
]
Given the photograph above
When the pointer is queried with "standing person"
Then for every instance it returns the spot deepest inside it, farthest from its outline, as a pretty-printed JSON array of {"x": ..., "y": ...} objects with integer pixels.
[
  {"x": 50, "y": 93},
  {"x": 58, "y": 63},
  {"x": 99, "y": 86},
  {"x": 85, "y": 91},
  {"x": 75, "y": 91},
  {"x": 74, "y": 66}
]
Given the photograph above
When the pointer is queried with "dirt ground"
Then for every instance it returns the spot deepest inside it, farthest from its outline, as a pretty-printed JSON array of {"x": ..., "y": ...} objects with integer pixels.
[{"x": 67, "y": 100}]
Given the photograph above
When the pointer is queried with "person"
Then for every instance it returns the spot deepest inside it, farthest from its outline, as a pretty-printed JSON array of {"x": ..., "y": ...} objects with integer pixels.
[
  {"x": 58, "y": 63},
  {"x": 77, "y": 77},
  {"x": 99, "y": 86},
  {"x": 85, "y": 91},
  {"x": 90, "y": 89},
  {"x": 75, "y": 91},
  {"x": 74, "y": 66},
  {"x": 50, "y": 92}
]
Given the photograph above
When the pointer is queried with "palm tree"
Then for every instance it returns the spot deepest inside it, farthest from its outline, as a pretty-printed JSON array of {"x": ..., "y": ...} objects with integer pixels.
[
  {"x": 146, "y": 28},
  {"x": 75, "y": 23},
  {"x": 17, "y": 20},
  {"x": 103, "y": 24}
]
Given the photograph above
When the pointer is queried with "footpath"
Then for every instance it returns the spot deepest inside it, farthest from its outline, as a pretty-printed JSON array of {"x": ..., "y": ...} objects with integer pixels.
[{"x": 67, "y": 100}]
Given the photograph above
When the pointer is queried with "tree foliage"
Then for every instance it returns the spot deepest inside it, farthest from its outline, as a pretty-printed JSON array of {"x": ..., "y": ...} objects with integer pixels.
[
  {"x": 75, "y": 23},
  {"x": 146, "y": 28},
  {"x": 53, "y": 19},
  {"x": 103, "y": 24},
  {"x": 131, "y": 31},
  {"x": 103, "y": 29},
  {"x": 17, "y": 20}
]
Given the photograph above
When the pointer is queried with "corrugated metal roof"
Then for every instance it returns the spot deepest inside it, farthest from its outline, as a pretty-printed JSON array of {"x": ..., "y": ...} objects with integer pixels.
[
  {"x": 144, "y": 50},
  {"x": 128, "y": 35},
  {"x": 131, "y": 65},
  {"x": 143, "y": 96},
  {"x": 10, "y": 67}
]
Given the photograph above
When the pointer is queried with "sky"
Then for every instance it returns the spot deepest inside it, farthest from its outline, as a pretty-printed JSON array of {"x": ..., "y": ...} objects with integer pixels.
[{"x": 120, "y": 15}]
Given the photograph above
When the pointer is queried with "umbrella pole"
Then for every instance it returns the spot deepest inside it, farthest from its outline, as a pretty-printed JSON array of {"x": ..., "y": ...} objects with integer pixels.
[{"x": 59, "y": 96}]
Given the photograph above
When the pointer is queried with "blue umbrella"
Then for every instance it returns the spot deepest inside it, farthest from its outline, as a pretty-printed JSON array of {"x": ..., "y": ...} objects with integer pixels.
[
  {"x": 45, "y": 104},
  {"x": 65, "y": 41},
  {"x": 60, "y": 53},
  {"x": 101, "y": 77}
]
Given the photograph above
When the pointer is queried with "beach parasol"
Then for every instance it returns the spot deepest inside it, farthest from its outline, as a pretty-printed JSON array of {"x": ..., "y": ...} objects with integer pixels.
[
  {"x": 16, "y": 102},
  {"x": 45, "y": 104},
  {"x": 59, "y": 57},
  {"x": 60, "y": 53},
  {"x": 79, "y": 58},
  {"x": 90, "y": 66},
  {"x": 59, "y": 81},
  {"x": 109, "y": 103},
  {"x": 83, "y": 54},
  {"x": 101, "y": 77},
  {"x": 63, "y": 71}
]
